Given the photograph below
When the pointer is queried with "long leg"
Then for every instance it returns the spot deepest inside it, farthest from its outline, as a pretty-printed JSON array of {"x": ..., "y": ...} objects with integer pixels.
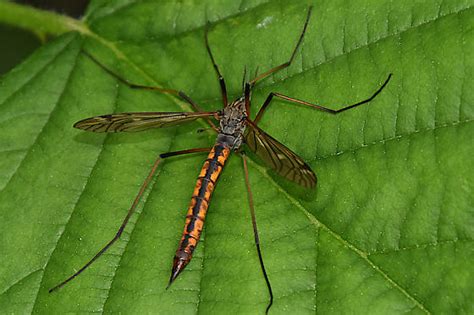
[
  {"x": 129, "y": 213},
  {"x": 255, "y": 232},
  {"x": 216, "y": 68},
  {"x": 132, "y": 85},
  {"x": 288, "y": 63},
  {"x": 318, "y": 107}
]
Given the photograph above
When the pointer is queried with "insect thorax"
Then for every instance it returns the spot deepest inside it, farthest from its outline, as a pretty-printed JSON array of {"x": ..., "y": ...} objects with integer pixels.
[{"x": 232, "y": 124}]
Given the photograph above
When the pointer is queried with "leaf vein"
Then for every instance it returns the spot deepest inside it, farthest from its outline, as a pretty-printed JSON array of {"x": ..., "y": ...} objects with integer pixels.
[
  {"x": 382, "y": 141},
  {"x": 419, "y": 246},
  {"x": 318, "y": 224}
]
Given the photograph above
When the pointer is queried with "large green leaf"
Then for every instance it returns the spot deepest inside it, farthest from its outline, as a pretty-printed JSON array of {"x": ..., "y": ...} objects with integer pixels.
[{"x": 389, "y": 229}]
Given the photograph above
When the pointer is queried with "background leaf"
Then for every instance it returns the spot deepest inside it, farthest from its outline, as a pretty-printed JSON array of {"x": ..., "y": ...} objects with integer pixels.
[{"x": 389, "y": 228}]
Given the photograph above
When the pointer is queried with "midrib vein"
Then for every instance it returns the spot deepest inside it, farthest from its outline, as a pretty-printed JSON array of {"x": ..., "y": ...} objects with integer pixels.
[{"x": 318, "y": 224}]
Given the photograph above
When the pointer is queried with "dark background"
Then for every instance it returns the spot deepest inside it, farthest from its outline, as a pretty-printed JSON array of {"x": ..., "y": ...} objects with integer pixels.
[{"x": 17, "y": 44}]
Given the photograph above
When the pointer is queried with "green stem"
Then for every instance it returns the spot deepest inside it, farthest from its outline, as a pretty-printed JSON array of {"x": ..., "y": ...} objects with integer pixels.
[{"x": 38, "y": 21}]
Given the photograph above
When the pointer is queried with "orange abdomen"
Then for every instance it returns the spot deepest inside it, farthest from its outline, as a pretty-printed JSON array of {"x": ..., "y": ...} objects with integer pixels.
[{"x": 197, "y": 210}]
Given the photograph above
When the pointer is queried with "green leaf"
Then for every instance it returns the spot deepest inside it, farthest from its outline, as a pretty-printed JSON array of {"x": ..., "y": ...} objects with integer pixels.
[{"x": 389, "y": 229}]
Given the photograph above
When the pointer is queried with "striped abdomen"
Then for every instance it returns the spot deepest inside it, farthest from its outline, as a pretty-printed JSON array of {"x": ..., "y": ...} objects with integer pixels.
[{"x": 197, "y": 210}]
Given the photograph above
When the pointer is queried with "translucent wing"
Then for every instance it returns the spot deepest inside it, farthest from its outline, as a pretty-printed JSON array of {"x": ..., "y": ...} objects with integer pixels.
[
  {"x": 137, "y": 121},
  {"x": 284, "y": 161}
]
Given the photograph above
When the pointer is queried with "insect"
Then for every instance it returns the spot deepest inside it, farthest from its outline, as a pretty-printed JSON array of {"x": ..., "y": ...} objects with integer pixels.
[{"x": 236, "y": 130}]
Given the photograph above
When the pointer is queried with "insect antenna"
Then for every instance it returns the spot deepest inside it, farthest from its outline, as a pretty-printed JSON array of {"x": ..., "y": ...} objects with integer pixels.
[
  {"x": 244, "y": 77},
  {"x": 255, "y": 232},
  {"x": 256, "y": 72}
]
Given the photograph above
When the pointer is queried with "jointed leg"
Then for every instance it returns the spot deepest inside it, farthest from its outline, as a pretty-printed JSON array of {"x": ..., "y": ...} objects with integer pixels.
[
  {"x": 132, "y": 85},
  {"x": 318, "y": 107},
  {"x": 288, "y": 63},
  {"x": 219, "y": 75},
  {"x": 143, "y": 87},
  {"x": 182, "y": 152},
  {"x": 129, "y": 213},
  {"x": 255, "y": 232}
]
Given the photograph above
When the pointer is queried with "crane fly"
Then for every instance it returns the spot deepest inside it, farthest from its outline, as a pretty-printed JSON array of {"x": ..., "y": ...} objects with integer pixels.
[{"x": 235, "y": 130}]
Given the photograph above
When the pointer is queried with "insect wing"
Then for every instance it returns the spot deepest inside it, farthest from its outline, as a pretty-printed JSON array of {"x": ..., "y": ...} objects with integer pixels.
[
  {"x": 284, "y": 161},
  {"x": 130, "y": 122}
]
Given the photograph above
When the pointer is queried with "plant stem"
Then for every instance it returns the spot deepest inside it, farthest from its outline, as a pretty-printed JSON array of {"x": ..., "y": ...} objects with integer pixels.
[{"x": 38, "y": 21}]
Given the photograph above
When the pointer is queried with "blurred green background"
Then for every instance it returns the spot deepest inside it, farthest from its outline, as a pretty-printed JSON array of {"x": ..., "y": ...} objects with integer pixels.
[{"x": 17, "y": 44}]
